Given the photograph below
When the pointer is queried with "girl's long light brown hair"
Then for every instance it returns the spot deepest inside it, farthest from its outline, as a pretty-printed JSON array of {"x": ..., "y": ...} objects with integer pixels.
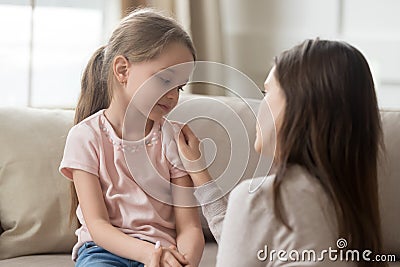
[
  {"x": 141, "y": 36},
  {"x": 332, "y": 128}
]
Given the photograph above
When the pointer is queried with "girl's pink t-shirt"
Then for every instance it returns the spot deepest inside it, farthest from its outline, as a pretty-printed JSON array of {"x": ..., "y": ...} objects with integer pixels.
[{"x": 93, "y": 146}]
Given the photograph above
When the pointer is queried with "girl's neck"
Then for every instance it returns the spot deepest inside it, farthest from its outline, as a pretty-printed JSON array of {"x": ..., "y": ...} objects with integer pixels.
[{"x": 118, "y": 118}]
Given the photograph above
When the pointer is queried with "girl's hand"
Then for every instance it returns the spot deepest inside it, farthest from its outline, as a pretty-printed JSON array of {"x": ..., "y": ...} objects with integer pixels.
[
  {"x": 172, "y": 258},
  {"x": 167, "y": 257},
  {"x": 189, "y": 151},
  {"x": 155, "y": 258}
]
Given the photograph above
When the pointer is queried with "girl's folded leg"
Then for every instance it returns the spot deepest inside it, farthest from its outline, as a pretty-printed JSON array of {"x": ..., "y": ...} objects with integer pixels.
[{"x": 92, "y": 255}]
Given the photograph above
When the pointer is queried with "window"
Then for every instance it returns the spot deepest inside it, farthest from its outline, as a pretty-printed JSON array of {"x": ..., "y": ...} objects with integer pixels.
[
  {"x": 254, "y": 34},
  {"x": 45, "y": 45}
]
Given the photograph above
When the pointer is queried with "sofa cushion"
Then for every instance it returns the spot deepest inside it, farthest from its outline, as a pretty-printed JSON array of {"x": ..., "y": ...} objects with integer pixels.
[
  {"x": 63, "y": 260},
  {"x": 34, "y": 197},
  {"x": 389, "y": 182}
]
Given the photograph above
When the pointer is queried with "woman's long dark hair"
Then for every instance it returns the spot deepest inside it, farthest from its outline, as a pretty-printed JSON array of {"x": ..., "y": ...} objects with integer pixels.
[{"x": 331, "y": 127}]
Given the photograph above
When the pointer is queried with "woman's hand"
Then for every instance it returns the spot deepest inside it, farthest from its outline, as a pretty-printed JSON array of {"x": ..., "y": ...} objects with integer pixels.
[
  {"x": 167, "y": 257},
  {"x": 189, "y": 145},
  {"x": 189, "y": 151},
  {"x": 192, "y": 158}
]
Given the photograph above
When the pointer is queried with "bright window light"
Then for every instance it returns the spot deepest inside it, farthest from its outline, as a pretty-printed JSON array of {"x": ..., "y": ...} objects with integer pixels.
[{"x": 45, "y": 45}]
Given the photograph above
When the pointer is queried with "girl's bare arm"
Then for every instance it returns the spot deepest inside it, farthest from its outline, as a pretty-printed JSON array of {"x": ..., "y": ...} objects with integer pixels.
[
  {"x": 106, "y": 235},
  {"x": 190, "y": 238}
]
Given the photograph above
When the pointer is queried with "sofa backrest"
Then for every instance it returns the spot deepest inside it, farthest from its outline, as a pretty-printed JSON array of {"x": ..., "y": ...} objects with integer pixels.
[
  {"x": 34, "y": 197},
  {"x": 389, "y": 181}
]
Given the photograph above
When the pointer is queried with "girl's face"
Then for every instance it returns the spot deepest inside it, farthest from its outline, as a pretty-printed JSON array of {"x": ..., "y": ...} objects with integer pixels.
[
  {"x": 272, "y": 104},
  {"x": 154, "y": 85}
]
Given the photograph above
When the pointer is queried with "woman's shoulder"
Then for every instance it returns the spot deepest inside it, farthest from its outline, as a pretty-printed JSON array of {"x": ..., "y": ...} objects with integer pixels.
[
  {"x": 296, "y": 179},
  {"x": 298, "y": 188},
  {"x": 253, "y": 195}
]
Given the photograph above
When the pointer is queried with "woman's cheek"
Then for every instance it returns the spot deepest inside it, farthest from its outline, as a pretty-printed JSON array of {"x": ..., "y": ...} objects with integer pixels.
[
  {"x": 258, "y": 141},
  {"x": 265, "y": 131}
]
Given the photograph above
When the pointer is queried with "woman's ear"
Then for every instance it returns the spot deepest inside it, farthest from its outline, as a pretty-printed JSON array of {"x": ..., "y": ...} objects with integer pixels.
[{"x": 120, "y": 69}]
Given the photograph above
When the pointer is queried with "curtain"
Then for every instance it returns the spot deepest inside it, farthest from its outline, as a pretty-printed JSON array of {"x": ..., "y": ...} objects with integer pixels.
[{"x": 129, "y": 5}]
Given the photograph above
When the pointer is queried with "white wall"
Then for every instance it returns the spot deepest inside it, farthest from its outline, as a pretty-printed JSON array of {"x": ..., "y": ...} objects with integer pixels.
[{"x": 257, "y": 30}]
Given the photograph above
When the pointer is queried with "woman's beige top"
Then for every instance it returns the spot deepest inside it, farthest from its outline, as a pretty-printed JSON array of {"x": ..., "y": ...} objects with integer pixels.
[{"x": 250, "y": 234}]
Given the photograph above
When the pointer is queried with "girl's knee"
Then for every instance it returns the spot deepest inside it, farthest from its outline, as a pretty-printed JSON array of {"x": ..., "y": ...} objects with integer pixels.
[{"x": 95, "y": 256}]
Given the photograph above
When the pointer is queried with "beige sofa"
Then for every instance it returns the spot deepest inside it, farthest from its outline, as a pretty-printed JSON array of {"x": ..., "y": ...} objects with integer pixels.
[{"x": 34, "y": 197}]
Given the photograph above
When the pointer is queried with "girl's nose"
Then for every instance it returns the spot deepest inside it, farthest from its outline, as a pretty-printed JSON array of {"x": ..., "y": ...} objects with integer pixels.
[{"x": 172, "y": 94}]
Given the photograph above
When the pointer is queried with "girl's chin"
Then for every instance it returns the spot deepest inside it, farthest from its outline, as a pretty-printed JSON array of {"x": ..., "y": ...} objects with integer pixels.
[
  {"x": 156, "y": 116},
  {"x": 257, "y": 147}
]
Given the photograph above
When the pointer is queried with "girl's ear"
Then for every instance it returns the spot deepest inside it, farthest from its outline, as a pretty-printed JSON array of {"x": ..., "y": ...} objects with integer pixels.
[{"x": 120, "y": 68}]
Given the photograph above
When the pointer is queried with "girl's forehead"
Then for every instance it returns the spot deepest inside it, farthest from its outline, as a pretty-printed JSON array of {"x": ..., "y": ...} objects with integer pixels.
[{"x": 176, "y": 52}]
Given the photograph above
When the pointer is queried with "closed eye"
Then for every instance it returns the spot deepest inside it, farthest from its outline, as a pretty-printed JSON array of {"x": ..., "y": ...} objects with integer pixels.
[
  {"x": 164, "y": 80},
  {"x": 167, "y": 81},
  {"x": 264, "y": 92}
]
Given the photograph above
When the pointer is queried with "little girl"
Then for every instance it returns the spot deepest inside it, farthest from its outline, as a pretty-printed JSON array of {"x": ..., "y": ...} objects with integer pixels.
[{"x": 120, "y": 223}]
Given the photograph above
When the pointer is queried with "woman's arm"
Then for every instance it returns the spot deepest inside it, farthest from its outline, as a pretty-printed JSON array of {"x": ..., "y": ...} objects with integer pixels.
[
  {"x": 213, "y": 202},
  {"x": 103, "y": 233},
  {"x": 208, "y": 194},
  {"x": 190, "y": 238},
  {"x": 249, "y": 225}
]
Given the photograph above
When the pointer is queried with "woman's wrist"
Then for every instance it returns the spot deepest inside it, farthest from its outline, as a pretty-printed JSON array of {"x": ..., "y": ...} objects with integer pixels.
[
  {"x": 208, "y": 193},
  {"x": 200, "y": 178}
]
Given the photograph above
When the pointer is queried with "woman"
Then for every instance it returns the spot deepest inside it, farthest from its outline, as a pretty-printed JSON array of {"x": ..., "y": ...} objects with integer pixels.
[{"x": 323, "y": 194}]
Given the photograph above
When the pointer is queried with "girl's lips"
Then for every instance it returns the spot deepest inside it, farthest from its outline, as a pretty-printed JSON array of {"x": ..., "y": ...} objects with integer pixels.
[{"x": 164, "y": 107}]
